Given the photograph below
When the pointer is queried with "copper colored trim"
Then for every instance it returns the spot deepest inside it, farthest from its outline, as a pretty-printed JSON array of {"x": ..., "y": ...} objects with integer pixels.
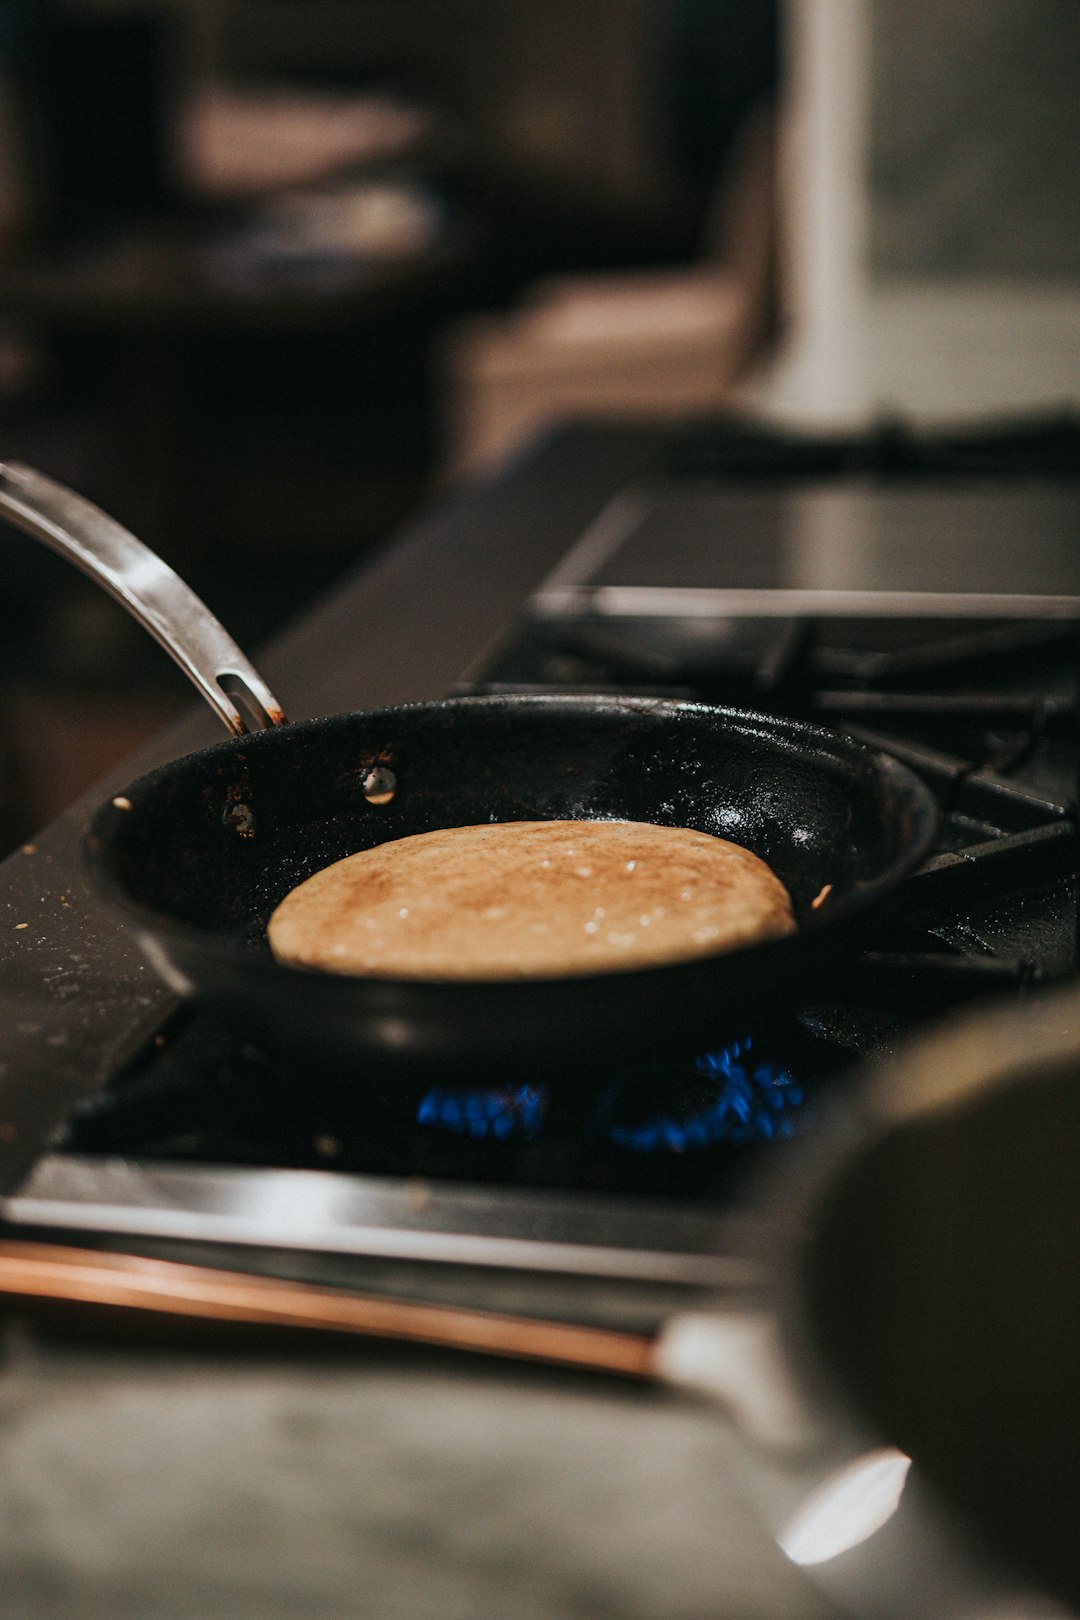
[{"x": 50, "y": 1272}]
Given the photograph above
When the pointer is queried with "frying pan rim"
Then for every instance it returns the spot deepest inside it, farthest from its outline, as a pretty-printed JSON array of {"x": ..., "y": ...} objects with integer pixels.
[{"x": 232, "y": 953}]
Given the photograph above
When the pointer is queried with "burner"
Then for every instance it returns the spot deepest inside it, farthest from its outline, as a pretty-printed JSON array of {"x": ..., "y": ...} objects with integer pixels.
[
  {"x": 729, "y": 1096},
  {"x": 507, "y": 1113}
]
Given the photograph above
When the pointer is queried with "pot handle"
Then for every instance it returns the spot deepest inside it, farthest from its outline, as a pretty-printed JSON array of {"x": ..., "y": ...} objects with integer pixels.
[{"x": 147, "y": 588}]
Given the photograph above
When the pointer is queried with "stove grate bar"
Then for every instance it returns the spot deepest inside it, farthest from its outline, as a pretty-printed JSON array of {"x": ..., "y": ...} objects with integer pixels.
[
  {"x": 941, "y": 659},
  {"x": 1025, "y": 859},
  {"x": 930, "y": 981},
  {"x": 981, "y": 795},
  {"x": 1028, "y": 710},
  {"x": 985, "y": 796}
]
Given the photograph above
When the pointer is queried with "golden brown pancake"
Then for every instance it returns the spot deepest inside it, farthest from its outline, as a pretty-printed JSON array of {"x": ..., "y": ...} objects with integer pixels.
[{"x": 530, "y": 899}]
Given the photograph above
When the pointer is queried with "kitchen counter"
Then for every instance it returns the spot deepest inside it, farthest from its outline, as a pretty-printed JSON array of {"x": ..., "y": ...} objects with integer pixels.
[{"x": 384, "y": 1482}]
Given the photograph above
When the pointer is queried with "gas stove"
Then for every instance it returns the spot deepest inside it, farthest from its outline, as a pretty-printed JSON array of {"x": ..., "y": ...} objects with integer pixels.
[{"x": 788, "y": 576}]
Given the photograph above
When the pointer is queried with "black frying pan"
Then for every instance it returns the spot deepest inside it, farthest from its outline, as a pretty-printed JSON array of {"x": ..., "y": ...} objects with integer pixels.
[{"x": 198, "y": 853}]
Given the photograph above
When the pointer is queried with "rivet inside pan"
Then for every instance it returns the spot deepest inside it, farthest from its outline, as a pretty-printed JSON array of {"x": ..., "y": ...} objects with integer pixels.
[
  {"x": 240, "y": 819},
  {"x": 379, "y": 785}
]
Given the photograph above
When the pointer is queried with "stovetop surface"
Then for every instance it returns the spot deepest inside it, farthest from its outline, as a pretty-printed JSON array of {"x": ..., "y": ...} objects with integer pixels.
[
  {"x": 984, "y": 709},
  {"x": 985, "y": 712}
]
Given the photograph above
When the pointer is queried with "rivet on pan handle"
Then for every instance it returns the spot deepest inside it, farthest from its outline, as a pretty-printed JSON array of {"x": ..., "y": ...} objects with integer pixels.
[{"x": 148, "y": 588}]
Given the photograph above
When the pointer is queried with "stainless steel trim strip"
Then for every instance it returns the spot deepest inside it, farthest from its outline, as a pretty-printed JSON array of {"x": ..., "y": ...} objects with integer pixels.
[
  {"x": 650, "y": 601},
  {"x": 331, "y": 1212},
  {"x": 600, "y": 540}
]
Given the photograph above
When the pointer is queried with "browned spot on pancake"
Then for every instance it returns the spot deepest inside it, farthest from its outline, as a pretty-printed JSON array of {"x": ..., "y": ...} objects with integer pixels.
[{"x": 530, "y": 899}]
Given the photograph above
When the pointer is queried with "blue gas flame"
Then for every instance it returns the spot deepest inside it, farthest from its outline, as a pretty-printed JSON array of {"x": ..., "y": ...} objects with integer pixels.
[
  {"x": 509, "y": 1111},
  {"x": 754, "y": 1101}
]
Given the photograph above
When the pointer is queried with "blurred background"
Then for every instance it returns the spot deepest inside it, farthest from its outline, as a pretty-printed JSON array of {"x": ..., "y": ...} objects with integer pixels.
[{"x": 274, "y": 273}]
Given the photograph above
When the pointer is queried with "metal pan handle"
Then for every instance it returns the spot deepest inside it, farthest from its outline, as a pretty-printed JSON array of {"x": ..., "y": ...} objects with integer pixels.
[{"x": 148, "y": 588}]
